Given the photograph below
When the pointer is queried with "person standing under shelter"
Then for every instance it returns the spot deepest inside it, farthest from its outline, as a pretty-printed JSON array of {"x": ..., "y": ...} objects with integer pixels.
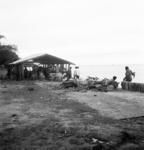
[
  {"x": 128, "y": 74},
  {"x": 69, "y": 73},
  {"x": 76, "y": 73}
]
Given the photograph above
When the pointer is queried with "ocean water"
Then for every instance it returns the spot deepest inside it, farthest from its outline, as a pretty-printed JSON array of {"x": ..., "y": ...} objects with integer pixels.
[{"x": 108, "y": 71}]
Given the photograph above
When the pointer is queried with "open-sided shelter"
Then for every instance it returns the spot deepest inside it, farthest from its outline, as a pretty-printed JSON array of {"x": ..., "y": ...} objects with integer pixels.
[{"x": 44, "y": 60}]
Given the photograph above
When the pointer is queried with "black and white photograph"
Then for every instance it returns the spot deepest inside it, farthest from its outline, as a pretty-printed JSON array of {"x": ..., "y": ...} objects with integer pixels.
[{"x": 71, "y": 75}]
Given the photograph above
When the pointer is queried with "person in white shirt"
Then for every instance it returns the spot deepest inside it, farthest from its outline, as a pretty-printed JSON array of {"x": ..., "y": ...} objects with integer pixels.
[{"x": 76, "y": 73}]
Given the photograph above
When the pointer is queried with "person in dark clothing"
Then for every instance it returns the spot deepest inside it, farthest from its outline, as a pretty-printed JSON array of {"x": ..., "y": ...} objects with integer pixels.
[
  {"x": 103, "y": 84},
  {"x": 69, "y": 73},
  {"x": 25, "y": 73},
  {"x": 113, "y": 82},
  {"x": 128, "y": 74}
]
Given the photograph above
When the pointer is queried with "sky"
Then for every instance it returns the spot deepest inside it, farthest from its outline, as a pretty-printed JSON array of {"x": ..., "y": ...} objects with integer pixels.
[{"x": 85, "y": 32}]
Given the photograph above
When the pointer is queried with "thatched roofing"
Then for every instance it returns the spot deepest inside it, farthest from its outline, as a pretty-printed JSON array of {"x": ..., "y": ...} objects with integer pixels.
[{"x": 42, "y": 59}]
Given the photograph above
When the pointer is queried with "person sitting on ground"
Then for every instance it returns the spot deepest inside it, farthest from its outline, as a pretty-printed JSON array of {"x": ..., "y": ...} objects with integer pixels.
[
  {"x": 104, "y": 83},
  {"x": 112, "y": 82},
  {"x": 128, "y": 74}
]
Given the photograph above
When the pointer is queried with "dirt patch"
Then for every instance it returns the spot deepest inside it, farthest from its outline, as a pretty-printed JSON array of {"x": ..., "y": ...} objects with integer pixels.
[
  {"x": 112, "y": 104},
  {"x": 48, "y": 117}
]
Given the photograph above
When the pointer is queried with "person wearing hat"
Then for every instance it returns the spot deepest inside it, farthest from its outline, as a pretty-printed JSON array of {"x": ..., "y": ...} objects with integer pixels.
[{"x": 76, "y": 73}]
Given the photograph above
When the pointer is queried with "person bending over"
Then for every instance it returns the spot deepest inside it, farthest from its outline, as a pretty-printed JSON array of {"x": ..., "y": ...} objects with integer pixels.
[{"x": 128, "y": 74}]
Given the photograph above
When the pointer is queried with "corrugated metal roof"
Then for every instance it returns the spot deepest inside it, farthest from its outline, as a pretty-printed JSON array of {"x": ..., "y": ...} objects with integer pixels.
[{"x": 43, "y": 59}]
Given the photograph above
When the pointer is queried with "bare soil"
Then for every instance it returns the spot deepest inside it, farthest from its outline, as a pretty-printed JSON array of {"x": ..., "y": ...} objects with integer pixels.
[{"x": 40, "y": 115}]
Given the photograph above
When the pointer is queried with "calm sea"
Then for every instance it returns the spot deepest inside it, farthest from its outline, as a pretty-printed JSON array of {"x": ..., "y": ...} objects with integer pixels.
[{"x": 108, "y": 71}]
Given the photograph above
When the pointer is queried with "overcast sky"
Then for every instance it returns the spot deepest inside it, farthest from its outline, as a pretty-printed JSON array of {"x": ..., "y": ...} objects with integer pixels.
[{"x": 85, "y": 32}]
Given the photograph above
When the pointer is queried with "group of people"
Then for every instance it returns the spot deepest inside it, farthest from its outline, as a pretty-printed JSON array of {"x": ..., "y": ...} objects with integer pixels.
[
  {"x": 68, "y": 74},
  {"x": 129, "y": 75},
  {"x": 104, "y": 83}
]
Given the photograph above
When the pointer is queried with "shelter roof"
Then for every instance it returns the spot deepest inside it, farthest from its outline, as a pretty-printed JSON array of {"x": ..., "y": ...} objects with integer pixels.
[{"x": 43, "y": 59}]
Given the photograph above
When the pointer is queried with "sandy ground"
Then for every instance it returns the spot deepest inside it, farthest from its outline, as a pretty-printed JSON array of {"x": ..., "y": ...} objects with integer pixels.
[
  {"x": 42, "y": 115},
  {"x": 115, "y": 104}
]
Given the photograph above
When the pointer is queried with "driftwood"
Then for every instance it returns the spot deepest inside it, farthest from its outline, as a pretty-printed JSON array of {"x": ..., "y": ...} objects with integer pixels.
[
  {"x": 131, "y": 86},
  {"x": 69, "y": 83}
]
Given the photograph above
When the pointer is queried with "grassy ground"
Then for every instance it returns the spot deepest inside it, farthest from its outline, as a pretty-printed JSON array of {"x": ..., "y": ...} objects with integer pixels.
[{"x": 43, "y": 116}]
